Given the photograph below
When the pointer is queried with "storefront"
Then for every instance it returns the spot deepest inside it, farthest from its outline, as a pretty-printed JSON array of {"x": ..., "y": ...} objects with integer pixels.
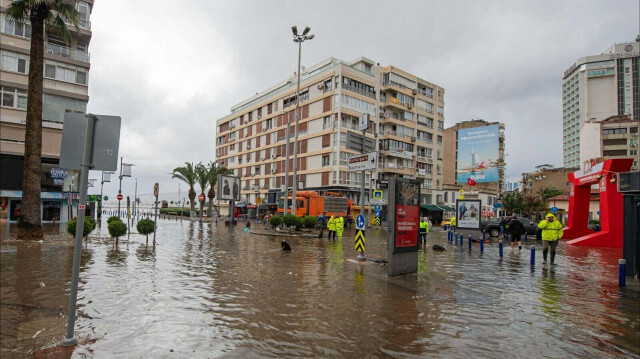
[{"x": 53, "y": 206}]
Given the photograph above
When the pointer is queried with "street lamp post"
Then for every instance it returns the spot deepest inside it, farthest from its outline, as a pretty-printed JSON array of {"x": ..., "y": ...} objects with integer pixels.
[{"x": 299, "y": 39}]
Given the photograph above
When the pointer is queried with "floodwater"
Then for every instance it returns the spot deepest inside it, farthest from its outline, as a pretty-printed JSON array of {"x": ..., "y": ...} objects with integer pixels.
[{"x": 208, "y": 292}]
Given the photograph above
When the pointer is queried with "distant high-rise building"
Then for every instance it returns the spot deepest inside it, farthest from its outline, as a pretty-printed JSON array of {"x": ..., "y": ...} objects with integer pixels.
[
  {"x": 406, "y": 127},
  {"x": 66, "y": 89},
  {"x": 595, "y": 88}
]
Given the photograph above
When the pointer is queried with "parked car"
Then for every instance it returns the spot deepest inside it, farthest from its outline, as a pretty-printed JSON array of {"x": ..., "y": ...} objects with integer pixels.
[
  {"x": 493, "y": 227},
  {"x": 445, "y": 221}
]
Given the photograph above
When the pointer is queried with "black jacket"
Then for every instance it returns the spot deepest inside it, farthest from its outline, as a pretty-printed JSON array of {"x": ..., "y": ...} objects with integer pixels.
[{"x": 516, "y": 228}]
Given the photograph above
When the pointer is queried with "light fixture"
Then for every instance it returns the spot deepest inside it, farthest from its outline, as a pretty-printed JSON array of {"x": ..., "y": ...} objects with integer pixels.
[
  {"x": 294, "y": 29},
  {"x": 306, "y": 30}
]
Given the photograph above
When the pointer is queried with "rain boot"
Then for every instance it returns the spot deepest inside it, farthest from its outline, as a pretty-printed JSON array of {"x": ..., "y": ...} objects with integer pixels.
[
  {"x": 553, "y": 257},
  {"x": 544, "y": 254}
]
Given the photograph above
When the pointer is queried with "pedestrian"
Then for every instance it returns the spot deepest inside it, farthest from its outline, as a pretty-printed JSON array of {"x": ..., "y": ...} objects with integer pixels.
[
  {"x": 515, "y": 229},
  {"x": 551, "y": 233},
  {"x": 503, "y": 226},
  {"x": 322, "y": 219},
  {"x": 339, "y": 227},
  {"x": 424, "y": 230},
  {"x": 331, "y": 224},
  {"x": 453, "y": 223}
]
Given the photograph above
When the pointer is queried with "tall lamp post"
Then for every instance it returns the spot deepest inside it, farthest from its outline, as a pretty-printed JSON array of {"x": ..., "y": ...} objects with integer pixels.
[
  {"x": 127, "y": 173},
  {"x": 299, "y": 39}
]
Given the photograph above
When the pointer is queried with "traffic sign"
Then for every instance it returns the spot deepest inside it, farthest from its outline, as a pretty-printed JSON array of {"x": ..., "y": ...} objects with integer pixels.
[
  {"x": 156, "y": 189},
  {"x": 364, "y": 122},
  {"x": 377, "y": 194},
  {"x": 360, "y": 222},
  {"x": 359, "y": 245},
  {"x": 201, "y": 197},
  {"x": 554, "y": 209},
  {"x": 376, "y": 220},
  {"x": 363, "y": 162},
  {"x": 106, "y": 198},
  {"x": 376, "y": 208},
  {"x": 119, "y": 197}
]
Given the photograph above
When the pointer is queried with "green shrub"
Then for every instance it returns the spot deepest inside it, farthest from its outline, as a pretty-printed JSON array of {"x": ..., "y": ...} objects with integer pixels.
[
  {"x": 309, "y": 221},
  {"x": 594, "y": 221},
  {"x": 275, "y": 221},
  {"x": 117, "y": 229},
  {"x": 290, "y": 220},
  {"x": 180, "y": 211},
  {"x": 146, "y": 227},
  {"x": 89, "y": 225},
  {"x": 113, "y": 218}
]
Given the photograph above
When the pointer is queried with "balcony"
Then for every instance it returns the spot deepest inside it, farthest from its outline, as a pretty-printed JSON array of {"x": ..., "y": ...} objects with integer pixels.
[
  {"x": 359, "y": 91},
  {"x": 63, "y": 51}
]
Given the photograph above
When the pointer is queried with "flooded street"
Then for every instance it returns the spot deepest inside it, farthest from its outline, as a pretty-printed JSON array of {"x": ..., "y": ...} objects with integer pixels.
[{"x": 208, "y": 292}]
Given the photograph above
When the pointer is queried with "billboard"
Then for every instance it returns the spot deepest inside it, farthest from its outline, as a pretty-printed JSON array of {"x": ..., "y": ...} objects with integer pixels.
[
  {"x": 468, "y": 213},
  {"x": 228, "y": 188},
  {"x": 478, "y": 154},
  {"x": 407, "y": 193}
]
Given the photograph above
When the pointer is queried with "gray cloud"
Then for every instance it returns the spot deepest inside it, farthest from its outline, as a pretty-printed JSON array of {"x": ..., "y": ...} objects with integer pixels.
[{"x": 171, "y": 70}]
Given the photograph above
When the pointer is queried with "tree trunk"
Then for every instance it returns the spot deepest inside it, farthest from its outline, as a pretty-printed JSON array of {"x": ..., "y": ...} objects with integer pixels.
[
  {"x": 210, "y": 195},
  {"x": 30, "y": 225},
  {"x": 192, "y": 198}
]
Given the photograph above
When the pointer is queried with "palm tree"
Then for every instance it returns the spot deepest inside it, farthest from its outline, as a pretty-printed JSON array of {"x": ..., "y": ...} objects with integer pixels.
[
  {"x": 214, "y": 171},
  {"x": 202, "y": 176},
  {"x": 39, "y": 13},
  {"x": 188, "y": 175}
]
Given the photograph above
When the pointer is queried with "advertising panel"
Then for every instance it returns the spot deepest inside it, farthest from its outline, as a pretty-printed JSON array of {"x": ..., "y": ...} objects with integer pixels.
[
  {"x": 468, "y": 213},
  {"x": 407, "y": 210},
  {"x": 478, "y": 151},
  {"x": 228, "y": 188}
]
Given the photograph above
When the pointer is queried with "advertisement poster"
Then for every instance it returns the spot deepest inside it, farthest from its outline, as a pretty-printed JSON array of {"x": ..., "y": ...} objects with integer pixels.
[
  {"x": 478, "y": 151},
  {"x": 407, "y": 211},
  {"x": 468, "y": 212},
  {"x": 228, "y": 188}
]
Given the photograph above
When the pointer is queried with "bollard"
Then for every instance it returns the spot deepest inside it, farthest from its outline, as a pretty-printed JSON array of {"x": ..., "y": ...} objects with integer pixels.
[
  {"x": 500, "y": 248},
  {"x": 481, "y": 246},
  {"x": 533, "y": 255},
  {"x": 461, "y": 239},
  {"x": 449, "y": 236},
  {"x": 484, "y": 235},
  {"x": 622, "y": 272},
  {"x": 456, "y": 235},
  {"x": 469, "y": 242},
  {"x": 506, "y": 237},
  {"x": 525, "y": 237}
]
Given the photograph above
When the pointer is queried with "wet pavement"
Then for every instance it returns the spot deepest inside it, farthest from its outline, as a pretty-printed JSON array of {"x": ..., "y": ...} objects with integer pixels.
[{"x": 206, "y": 291}]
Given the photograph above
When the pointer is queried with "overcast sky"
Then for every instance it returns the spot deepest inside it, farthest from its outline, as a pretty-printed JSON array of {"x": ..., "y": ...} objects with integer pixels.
[{"x": 170, "y": 69}]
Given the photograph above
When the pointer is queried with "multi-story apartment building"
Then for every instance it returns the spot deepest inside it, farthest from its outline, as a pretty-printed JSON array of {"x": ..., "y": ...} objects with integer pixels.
[
  {"x": 406, "y": 127},
  {"x": 547, "y": 176},
  {"x": 613, "y": 137},
  {"x": 595, "y": 88},
  {"x": 66, "y": 79}
]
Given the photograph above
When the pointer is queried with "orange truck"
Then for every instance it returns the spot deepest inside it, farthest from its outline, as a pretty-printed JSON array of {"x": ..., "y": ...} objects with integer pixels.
[{"x": 310, "y": 203}]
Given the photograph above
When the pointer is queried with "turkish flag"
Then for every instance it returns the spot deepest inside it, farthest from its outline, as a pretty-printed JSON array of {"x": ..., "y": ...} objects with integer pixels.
[{"x": 471, "y": 182}]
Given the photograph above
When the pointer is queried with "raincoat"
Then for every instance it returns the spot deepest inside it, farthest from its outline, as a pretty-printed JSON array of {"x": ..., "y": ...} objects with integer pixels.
[
  {"x": 331, "y": 224},
  {"x": 339, "y": 226},
  {"x": 424, "y": 226},
  {"x": 551, "y": 231},
  {"x": 453, "y": 221}
]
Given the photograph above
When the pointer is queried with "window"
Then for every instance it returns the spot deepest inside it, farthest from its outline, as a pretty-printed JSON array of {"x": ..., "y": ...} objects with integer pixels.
[
  {"x": 14, "y": 62},
  {"x": 54, "y": 107},
  {"x": 326, "y": 160},
  {"x": 614, "y": 131},
  {"x": 426, "y": 121},
  {"x": 425, "y": 136},
  {"x": 358, "y": 105},
  {"x": 13, "y": 97},
  {"x": 440, "y": 140},
  {"x": 13, "y": 28},
  {"x": 358, "y": 87},
  {"x": 440, "y": 125},
  {"x": 65, "y": 72},
  {"x": 326, "y": 122},
  {"x": 441, "y": 110}
]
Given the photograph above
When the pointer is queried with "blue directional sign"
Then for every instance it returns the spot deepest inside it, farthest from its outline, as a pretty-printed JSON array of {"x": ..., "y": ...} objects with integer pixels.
[
  {"x": 360, "y": 222},
  {"x": 554, "y": 209},
  {"x": 376, "y": 208}
]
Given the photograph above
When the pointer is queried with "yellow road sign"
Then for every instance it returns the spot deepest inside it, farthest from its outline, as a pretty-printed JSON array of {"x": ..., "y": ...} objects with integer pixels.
[
  {"x": 376, "y": 221},
  {"x": 360, "y": 241}
]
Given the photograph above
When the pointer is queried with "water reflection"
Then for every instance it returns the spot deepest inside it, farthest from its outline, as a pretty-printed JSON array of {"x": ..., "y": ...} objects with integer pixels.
[{"x": 210, "y": 291}]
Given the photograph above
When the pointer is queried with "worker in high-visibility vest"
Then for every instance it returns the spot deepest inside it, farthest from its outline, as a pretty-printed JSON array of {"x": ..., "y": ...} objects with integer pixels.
[
  {"x": 331, "y": 224},
  {"x": 339, "y": 227},
  {"x": 424, "y": 230}
]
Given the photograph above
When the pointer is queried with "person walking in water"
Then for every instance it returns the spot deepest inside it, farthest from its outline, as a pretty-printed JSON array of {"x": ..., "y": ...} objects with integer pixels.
[
  {"x": 322, "y": 222},
  {"x": 424, "y": 230},
  {"x": 331, "y": 224},
  {"x": 339, "y": 227},
  {"x": 453, "y": 223},
  {"x": 515, "y": 229},
  {"x": 551, "y": 233}
]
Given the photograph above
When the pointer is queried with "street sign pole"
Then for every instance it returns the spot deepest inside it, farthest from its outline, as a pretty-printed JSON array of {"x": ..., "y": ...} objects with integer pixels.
[
  {"x": 359, "y": 242},
  {"x": 84, "y": 179},
  {"x": 156, "y": 190},
  {"x": 364, "y": 124}
]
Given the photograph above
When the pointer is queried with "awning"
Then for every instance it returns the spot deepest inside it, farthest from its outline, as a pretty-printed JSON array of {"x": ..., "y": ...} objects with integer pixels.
[
  {"x": 429, "y": 207},
  {"x": 446, "y": 208}
]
